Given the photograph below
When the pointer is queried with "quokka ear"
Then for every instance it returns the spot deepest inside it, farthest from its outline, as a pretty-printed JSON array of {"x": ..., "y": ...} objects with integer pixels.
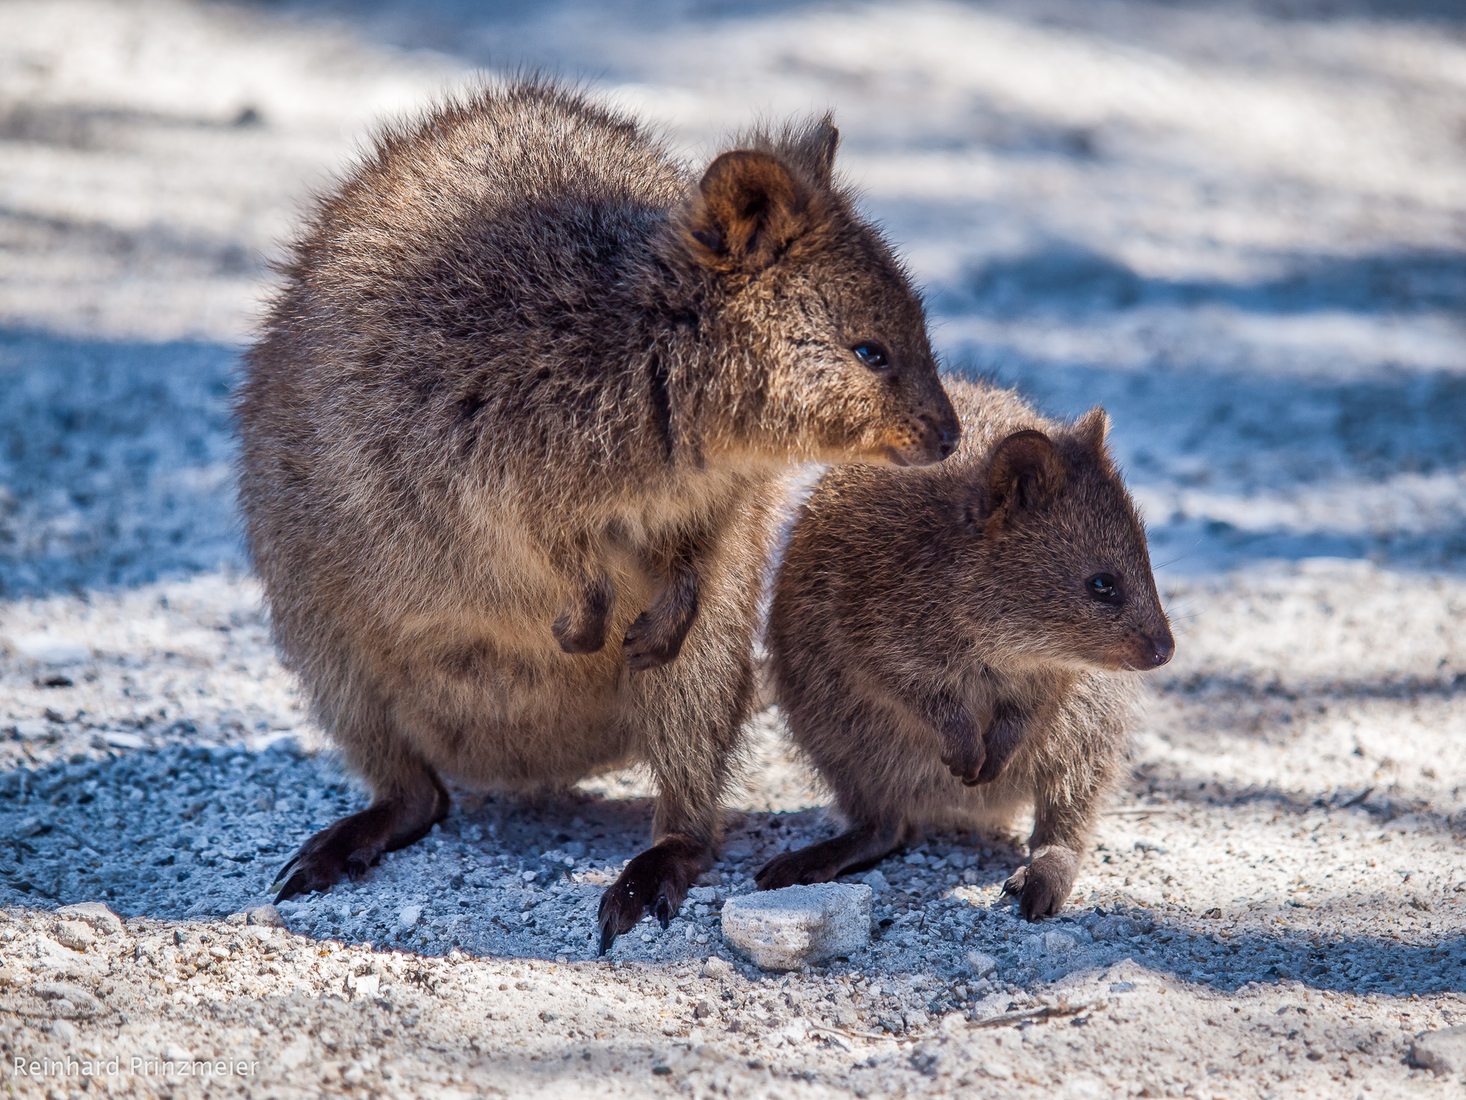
[
  {"x": 1025, "y": 472},
  {"x": 748, "y": 208},
  {"x": 1092, "y": 428},
  {"x": 813, "y": 148}
]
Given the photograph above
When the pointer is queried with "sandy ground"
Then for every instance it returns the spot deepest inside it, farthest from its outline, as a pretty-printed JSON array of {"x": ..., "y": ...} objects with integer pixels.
[{"x": 1238, "y": 225}]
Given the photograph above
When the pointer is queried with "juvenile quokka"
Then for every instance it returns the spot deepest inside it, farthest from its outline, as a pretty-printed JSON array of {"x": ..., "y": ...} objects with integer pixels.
[
  {"x": 953, "y": 644},
  {"x": 510, "y": 434}
]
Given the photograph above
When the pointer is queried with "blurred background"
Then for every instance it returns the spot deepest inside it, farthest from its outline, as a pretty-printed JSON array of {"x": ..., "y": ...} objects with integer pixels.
[{"x": 1238, "y": 224}]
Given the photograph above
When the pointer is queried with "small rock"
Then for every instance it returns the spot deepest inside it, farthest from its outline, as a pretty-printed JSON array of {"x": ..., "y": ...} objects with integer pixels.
[
  {"x": 876, "y": 881},
  {"x": 409, "y": 916},
  {"x": 799, "y": 925},
  {"x": 715, "y": 968},
  {"x": 73, "y": 995},
  {"x": 703, "y": 1010},
  {"x": 1441, "y": 1051},
  {"x": 64, "y": 1031},
  {"x": 980, "y": 964},
  {"x": 96, "y": 914},
  {"x": 1058, "y": 943},
  {"x": 75, "y": 935},
  {"x": 265, "y": 915},
  {"x": 295, "y": 1055}
]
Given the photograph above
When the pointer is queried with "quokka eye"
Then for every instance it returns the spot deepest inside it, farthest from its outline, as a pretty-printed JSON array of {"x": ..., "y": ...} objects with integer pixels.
[
  {"x": 1104, "y": 587},
  {"x": 872, "y": 355}
]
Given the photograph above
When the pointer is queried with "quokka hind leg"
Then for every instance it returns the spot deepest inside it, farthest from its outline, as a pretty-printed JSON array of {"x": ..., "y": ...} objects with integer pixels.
[
  {"x": 408, "y": 800},
  {"x": 853, "y": 850},
  {"x": 691, "y": 719},
  {"x": 352, "y": 846}
]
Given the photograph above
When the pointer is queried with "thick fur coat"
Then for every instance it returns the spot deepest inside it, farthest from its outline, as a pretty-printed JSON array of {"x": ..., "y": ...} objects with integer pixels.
[
  {"x": 954, "y": 645},
  {"x": 509, "y": 442}
]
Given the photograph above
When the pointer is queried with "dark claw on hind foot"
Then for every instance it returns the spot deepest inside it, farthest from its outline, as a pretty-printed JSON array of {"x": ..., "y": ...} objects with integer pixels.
[
  {"x": 321, "y": 863},
  {"x": 655, "y": 881},
  {"x": 351, "y": 847},
  {"x": 788, "y": 869}
]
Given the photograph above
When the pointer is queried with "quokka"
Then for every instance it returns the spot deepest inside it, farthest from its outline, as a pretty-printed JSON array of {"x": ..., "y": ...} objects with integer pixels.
[
  {"x": 953, "y": 645},
  {"x": 510, "y": 438}
]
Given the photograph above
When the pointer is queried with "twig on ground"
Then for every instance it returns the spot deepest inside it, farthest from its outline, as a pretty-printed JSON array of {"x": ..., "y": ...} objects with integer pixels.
[
  {"x": 1040, "y": 1012},
  {"x": 1142, "y": 811},
  {"x": 868, "y": 1035}
]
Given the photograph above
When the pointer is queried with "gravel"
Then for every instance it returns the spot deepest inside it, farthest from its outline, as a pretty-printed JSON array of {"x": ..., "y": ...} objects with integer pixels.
[{"x": 1243, "y": 238}]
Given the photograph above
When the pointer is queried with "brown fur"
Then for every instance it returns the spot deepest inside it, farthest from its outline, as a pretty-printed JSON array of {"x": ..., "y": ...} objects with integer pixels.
[
  {"x": 938, "y": 655},
  {"x": 526, "y": 378}
]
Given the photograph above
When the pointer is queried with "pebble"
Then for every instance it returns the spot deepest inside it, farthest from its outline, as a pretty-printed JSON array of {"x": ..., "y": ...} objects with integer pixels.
[
  {"x": 980, "y": 964},
  {"x": 1442, "y": 1052},
  {"x": 75, "y": 935},
  {"x": 1058, "y": 943},
  {"x": 715, "y": 967},
  {"x": 409, "y": 915},
  {"x": 266, "y": 916},
  {"x": 876, "y": 881},
  {"x": 799, "y": 925},
  {"x": 94, "y": 913}
]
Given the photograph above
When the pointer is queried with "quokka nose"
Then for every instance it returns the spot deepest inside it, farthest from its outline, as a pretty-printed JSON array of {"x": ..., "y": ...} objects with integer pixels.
[
  {"x": 948, "y": 433},
  {"x": 1163, "y": 648},
  {"x": 946, "y": 441}
]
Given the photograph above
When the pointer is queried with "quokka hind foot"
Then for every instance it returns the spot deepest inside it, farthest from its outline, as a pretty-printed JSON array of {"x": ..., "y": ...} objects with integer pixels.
[{"x": 350, "y": 847}]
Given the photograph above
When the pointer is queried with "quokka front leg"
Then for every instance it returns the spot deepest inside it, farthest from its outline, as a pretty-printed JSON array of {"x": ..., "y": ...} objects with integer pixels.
[
  {"x": 977, "y": 736},
  {"x": 691, "y": 720},
  {"x": 655, "y": 637},
  {"x": 581, "y": 627},
  {"x": 1067, "y": 804}
]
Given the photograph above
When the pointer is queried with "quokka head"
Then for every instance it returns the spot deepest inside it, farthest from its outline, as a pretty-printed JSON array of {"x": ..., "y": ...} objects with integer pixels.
[
  {"x": 831, "y": 359},
  {"x": 1055, "y": 543}
]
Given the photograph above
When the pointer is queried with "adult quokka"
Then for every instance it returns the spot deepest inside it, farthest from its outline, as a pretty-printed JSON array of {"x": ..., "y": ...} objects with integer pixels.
[
  {"x": 509, "y": 442},
  {"x": 953, "y": 645}
]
